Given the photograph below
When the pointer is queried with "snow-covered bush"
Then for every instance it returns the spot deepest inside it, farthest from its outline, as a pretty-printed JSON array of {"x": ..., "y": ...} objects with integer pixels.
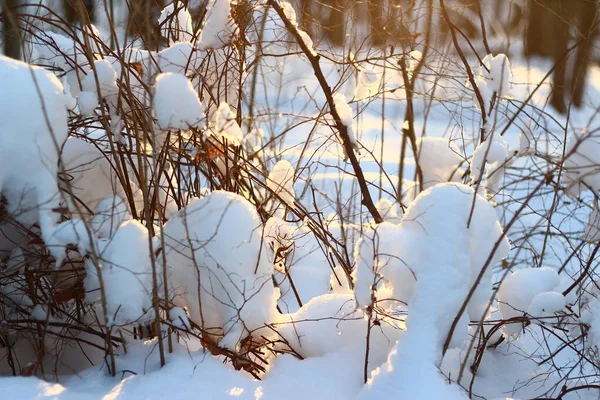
[{"x": 229, "y": 206}]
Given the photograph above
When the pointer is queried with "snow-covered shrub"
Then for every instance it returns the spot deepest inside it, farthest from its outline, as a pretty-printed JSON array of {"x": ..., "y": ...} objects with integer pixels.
[
  {"x": 190, "y": 190},
  {"x": 218, "y": 267},
  {"x": 33, "y": 127}
]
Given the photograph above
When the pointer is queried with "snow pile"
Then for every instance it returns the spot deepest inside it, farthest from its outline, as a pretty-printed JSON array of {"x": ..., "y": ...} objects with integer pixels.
[
  {"x": 445, "y": 257},
  {"x": 184, "y": 113},
  {"x": 494, "y": 78},
  {"x": 127, "y": 274},
  {"x": 581, "y": 166},
  {"x": 380, "y": 272},
  {"x": 439, "y": 160},
  {"x": 389, "y": 258},
  {"x": 91, "y": 177},
  {"x": 290, "y": 14},
  {"x": 33, "y": 127},
  {"x": 219, "y": 268},
  {"x": 367, "y": 83},
  {"x": 99, "y": 84},
  {"x": 219, "y": 27},
  {"x": 224, "y": 125},
  {"x": 330, "y": 324},
  {"x": 494, "y": 154},
  {"x": 389, "y": 211},
  {"x": 281, "y": 182},
  {"x": 181, "y": 58},
  {"x": 590, "y": 317},
  {"x": 61, "y": 52},
  {"x": 175, "y": 23},
  {"x": 591, "y": 232},
  {"x": 531, "y": 291}
]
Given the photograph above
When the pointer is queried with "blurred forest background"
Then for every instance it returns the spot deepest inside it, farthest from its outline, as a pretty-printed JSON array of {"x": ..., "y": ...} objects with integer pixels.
[{"x": 542, "y": 28}]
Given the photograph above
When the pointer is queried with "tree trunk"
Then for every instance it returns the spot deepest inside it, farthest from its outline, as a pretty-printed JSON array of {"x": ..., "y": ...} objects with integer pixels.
[
  {"x": 586, "y": 16},
  {"x": 79, "y": 11},
  {"x": 12, "y": 38}
]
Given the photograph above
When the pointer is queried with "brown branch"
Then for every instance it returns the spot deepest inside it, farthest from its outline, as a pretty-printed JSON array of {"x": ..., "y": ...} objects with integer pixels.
[{"x": 367, "y": 201}]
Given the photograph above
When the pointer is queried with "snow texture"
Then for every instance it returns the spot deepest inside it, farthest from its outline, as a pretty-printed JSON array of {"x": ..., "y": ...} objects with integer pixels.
[
  {"x": 219, "y": 27},
  {"x": 281, "y": 182},
  {"x": 219, "y": 268},
  {"x": 184, "y": 113},
  {"x": 175, "y": 23},
  {"x": 33, "y": 127},
  {"x": 531, "y": 290}
]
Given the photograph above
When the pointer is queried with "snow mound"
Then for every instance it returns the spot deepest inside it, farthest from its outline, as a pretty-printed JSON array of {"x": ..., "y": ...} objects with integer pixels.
[
  {"x": 534, "y": 291},
  {"x": 446, "y": 257},
  {"x": 281, "y": 182},
  {"x": 219, "y": 27},
  {"x": 176, "y": 103},
  {"x": 127, "y": 274},
  {"x": 219, "y": 268},
  {"x": 224, "y": 125},
  {"x": 582, "y": 166},
  {"x": 33, "y": 127}
]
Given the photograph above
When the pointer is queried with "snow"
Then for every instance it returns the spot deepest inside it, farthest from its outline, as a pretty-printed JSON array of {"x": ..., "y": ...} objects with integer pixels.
[
  {"x": 33, "y": 127},
  {"x": 367, "y": 83},
  {"x": 219, "y": 27},
  {"x": 87, "y": 102},
  {"x": 109, "y": 214},
  {"x": 179, "y": 58},
  {"x": 581, "y": 170},
  {"x": 281, "y": 182},
  {"x": 290, "y": 14},
  {"x": 391, "y": 252},
  {"x": 91, "y": 177},
  {"x": 494, "y": 79},
  {"x": 389, "y": 210},
  {"x": 494, "y": 154},
  {"x": 439, "y": 160},
  {"x": 224, "y": 125},
  {"x": 529, "y": 290},
  {"x": 303, "y": 283},
  {"x": 451, "y": 269},
  {"x": 176, "y": 27},
  {"x": 591, "y": 232},
  {"x": 127, "y": 274},
  {"x": 225, "y": 281},
  {"x": 186, "y": 112},
  {"x": 302, "y": 270},
  {"x": 345, "y": 113}
]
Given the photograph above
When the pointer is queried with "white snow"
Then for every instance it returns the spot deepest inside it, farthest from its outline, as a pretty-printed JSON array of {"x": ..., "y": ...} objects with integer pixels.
[
  {"x": 290, "y": 14},
  {"x": 281, "y": 182},
  {"x": 581, "y": 167},
  {"x": 33, "y": 127},
  {"x": 529, "y": 290},
  {"x": 219, "y": 268},
  {"x": 439, "y": 160},
  {"x": 176, "y": 27},
  {"x": 224, "y": 125},
  {"x": 127, "y": 275},
  {"x": 219, "y": 27},
  {"x": 184, "y": 113}
]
